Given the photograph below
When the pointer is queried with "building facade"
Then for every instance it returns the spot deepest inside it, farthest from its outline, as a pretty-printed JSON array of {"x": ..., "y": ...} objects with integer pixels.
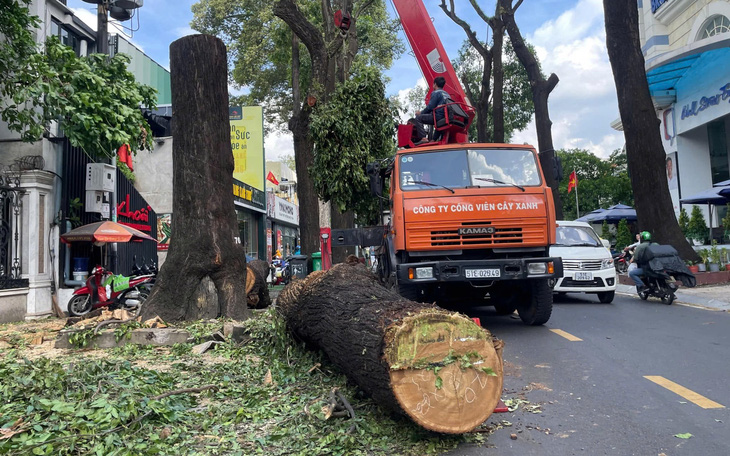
[{"x": 686, "y": 44}]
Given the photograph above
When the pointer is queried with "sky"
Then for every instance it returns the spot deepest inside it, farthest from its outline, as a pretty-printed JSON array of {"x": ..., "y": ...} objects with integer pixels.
[{"x": 569, "y": 37}]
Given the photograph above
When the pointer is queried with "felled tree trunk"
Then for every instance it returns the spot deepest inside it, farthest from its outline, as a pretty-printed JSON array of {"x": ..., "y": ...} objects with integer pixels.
[
  {"x": 415, "y": 358},
  {"x": 204, "y": 275},
  {"x": 257, "y": 290}
]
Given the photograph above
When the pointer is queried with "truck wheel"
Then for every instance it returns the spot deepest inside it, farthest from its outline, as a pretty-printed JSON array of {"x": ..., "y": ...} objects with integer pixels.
[
  {"x": 606, "y": 297},
  {"x": 540, "y": 305}
]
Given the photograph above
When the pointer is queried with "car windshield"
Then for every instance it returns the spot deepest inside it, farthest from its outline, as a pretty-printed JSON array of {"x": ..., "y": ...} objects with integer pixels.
[
  {"x": 468, "y": 168},
  {"x": 577, "y": 235}
]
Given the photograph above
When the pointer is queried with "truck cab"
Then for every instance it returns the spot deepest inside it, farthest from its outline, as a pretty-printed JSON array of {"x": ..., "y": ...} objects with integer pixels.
[{"x": 471, "y": 220}]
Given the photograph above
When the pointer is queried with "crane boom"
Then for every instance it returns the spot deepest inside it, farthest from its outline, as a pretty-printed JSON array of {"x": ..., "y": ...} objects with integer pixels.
[{"x": 427, "y": 47}]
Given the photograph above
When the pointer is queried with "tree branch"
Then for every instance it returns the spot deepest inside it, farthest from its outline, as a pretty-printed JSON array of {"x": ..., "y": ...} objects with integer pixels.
[
  {"x": 479, "y": 11},
  {"x": 473, "y": 40},
  {"x": 362, "y": 8}
]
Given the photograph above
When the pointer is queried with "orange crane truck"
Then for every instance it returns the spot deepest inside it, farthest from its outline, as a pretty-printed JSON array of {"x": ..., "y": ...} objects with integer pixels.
[{"x": 466, "y": 221}]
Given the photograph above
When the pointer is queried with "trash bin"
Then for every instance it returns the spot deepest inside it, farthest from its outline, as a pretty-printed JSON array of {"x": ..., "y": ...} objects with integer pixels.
[
  {"x": 317, "y": 261},
  {"x": 81, "y": 264},
  {"x": 298, "y": 266}
]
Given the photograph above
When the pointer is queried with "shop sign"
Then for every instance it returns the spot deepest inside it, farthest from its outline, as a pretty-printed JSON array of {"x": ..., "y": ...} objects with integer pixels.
[
  {"x": 164, "y": 231},
  {"x": 286, "y": 211},
  {"x": 139, "y": 215},
  {"x": 697, "y": 106},
  {"x": 245, "y": 193}
]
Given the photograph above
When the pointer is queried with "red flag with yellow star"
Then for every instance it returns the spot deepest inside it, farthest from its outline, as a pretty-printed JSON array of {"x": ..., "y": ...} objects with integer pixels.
[{"x": 572, "y": 181}]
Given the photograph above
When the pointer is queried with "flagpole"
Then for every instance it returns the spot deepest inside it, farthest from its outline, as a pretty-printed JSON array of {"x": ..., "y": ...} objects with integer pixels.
[{"x": 577, "y": 211}]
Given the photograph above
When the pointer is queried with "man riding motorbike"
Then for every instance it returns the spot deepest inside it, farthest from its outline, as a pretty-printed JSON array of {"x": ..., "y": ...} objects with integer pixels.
[{"x": 639, "y": 258}]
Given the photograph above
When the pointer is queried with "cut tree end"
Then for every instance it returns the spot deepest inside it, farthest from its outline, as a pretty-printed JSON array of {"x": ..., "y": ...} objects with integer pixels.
[{"x": 446, "y": 372}]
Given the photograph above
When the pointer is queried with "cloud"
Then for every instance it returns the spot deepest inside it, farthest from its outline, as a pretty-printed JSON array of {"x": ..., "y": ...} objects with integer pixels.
[
  {"x": 278, "y": 144},
  {"x": 185, "y": 31},
  {"x": 583, "y": 104}
]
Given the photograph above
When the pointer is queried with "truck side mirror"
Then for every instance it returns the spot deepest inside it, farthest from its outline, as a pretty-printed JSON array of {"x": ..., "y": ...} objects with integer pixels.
[
  {"x": 558, "y": 168},
  {"x": 376, "y": 178}
]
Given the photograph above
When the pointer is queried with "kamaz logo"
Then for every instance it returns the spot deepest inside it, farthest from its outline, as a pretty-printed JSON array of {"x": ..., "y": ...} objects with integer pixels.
[{"x": 477, "y": 230}]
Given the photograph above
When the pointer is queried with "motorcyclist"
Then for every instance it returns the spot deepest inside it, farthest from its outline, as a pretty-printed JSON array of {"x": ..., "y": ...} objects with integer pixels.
[{"x": 639, "y": 253}]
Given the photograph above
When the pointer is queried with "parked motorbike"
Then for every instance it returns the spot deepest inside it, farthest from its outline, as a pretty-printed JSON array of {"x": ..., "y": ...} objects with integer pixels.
[
  {"x": 281, "y": 273},
  {"x": 145, "y": 269},
  {"x": 621, "y": 261},
  {"x": 659, "y": 285},
  {"x": 104, "y": 289}
]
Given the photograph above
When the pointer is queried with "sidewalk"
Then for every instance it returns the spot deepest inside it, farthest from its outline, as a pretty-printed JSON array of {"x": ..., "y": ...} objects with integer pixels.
[{"x": 715, "y": 297}]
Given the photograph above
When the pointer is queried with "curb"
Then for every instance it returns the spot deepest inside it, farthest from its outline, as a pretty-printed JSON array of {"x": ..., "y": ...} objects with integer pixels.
[{"x": 688, "y": 301}]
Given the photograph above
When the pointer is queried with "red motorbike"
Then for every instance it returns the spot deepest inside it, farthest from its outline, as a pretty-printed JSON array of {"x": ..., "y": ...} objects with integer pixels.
[
  {"x": 621, "y": 261},
  {"x": 104, "y": 289}
]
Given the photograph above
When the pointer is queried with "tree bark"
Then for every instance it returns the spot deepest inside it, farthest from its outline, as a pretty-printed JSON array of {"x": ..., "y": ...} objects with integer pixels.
[
  {"x": 644, "y": 149},
  {"x": 394, "y": 349},
  {"x": 257, "y": 290},
  {"x": 205, "y": 271},
  {"x": 498, "y": 72},
  {"x": 541, "y": 89}
]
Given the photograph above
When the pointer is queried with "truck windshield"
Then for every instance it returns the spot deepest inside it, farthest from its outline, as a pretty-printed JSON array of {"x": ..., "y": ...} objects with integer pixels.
[{"x": 461, "y": 168}]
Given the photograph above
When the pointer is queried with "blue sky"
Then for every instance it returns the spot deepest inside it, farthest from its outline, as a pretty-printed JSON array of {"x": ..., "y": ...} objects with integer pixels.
[{"x": 569, "y": 36}]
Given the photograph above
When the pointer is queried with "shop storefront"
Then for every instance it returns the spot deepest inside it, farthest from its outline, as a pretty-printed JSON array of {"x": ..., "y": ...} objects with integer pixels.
[
  {"x": 251, "y": 217},
  {"x": 282, "y": 226}
]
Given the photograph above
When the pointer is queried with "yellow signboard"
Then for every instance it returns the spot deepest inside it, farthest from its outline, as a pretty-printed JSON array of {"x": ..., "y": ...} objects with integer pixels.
[{"x": 247, "y": 144}]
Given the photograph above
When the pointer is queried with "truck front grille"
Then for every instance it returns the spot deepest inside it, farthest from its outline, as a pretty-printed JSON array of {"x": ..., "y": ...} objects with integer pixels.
[{"x": 424, "y": 236}]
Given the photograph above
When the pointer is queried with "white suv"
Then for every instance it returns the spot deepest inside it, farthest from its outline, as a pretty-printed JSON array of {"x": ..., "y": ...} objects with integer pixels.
[{"x": 587, "y": 263}]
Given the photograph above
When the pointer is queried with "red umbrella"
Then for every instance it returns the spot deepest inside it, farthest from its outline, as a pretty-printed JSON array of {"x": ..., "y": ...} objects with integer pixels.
[{"x": 106, "y": 231}]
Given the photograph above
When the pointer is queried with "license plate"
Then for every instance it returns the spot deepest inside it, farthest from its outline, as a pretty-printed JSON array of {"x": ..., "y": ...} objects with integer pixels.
[
  {"x": 482, "y": 273},
  {"x": 583, "y": 276}
]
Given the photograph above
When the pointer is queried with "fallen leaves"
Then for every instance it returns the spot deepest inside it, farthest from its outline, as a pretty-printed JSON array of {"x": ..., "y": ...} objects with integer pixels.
[
  {"x": 17, "y": 428},
  {"x": 685, "y": 436}
]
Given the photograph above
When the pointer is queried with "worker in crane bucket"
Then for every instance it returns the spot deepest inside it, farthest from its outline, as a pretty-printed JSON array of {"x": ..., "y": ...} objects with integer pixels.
[{"x": 438, "y": 97}]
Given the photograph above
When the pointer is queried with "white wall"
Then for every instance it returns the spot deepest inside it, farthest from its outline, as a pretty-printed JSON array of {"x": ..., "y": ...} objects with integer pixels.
[{"x": 694, "y": 166}]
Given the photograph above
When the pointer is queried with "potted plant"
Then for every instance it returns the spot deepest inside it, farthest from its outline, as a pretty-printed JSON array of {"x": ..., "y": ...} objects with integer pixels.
[
  {"x": 726, "y": 221},
  {"x": 714, "y": 257},
  {"x": 725, "y": 259},
  {"x": 705, "y": 255},
  {"x": 697, "y": 229},
  {"x": 694, "y": 268}
]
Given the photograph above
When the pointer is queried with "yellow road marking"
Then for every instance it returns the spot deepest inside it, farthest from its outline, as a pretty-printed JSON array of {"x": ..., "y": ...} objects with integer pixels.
[
  {"x": 680, "y": 390},
  {"x": 567, "y": 335}
]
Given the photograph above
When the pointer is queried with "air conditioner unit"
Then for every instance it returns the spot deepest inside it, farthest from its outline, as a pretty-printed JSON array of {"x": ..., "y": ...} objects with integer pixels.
[{"x": 100, "y": 177}]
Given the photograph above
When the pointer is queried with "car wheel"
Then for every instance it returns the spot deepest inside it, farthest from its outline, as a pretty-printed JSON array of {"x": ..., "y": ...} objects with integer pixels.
[{"x": 606, "y": 297}]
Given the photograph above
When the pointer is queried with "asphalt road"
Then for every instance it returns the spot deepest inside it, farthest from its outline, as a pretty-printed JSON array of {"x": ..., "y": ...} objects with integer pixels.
[{"x": 593, "y": 394}]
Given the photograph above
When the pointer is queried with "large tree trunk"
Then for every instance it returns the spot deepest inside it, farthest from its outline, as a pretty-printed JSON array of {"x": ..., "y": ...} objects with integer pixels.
[
  {"x": 541, "y": 89},
  {"x": 644, "y": 149},
  {"x": 497, "y": 102},
  {"x": 341, "y": 221},
  {"x": 205, "y": 271},
  {"x": 410, "y": 357}
]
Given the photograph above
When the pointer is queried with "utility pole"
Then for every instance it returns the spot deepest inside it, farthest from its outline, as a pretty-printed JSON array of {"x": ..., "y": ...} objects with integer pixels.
[{"x": 102, "y": 35}]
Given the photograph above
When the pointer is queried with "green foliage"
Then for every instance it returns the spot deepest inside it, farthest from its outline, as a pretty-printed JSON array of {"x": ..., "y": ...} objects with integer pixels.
[
  {"x": 623, "y": 235},
  {"x": 697, "y": 228},
  {"x": 126, "y": 172},
  {"x": 95, "y": 99},
  {"x": 74, "y": 211},
  {"x": 517, "y": 93},
  {"x": 81, "y": 339},
  {"x": 601, "y": 183},
  {"x": 714, "y": 256},
  {"x": 683, "y": 221},
  {"x": 354, "y": 128},
  {"x": 605, "y": 231},
  {"x": 704, "y": 255},
  {"x": 80, "y": 404},
  {"x": 260, "y": 47}
]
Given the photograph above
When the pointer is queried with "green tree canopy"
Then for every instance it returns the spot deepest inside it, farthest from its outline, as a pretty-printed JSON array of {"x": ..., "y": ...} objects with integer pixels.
[
  {"x": 354, "y": 128},
  {"x": 601, "y": 183},
  {"x": 96, "y": 99},
  {"x": 518, "y": 107}
]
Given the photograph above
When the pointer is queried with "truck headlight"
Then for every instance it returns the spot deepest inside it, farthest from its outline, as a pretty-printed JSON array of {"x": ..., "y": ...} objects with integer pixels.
[
  {"x": 424, "y": 273},
  {"x": 607, "y": 263},
  {"x": 536, "y": 268}
]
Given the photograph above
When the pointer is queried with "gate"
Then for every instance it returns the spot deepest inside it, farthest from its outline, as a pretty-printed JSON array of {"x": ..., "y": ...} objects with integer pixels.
[{"x": 11, "y": 207}]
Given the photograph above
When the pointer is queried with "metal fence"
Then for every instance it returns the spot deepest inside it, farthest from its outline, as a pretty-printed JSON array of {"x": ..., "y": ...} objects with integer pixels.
[{"x": 11, "y": 207}]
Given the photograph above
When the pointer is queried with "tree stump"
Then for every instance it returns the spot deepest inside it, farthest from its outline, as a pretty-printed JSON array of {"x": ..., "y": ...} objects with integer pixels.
[
  {"x": 257, "y": 290},
  {"x": 205, "y": 272},
  {"x": 414, "y": 358}
]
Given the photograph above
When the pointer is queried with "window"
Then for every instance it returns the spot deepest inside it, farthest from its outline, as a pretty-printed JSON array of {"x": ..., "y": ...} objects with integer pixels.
[
  {"x": 66, "y": 36},
  {"x": 468, "y": 168},
  {"x": 577, "y": 235},
  {"x": 719, "y": 156},
  {"x": 715, "y": 25}
]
